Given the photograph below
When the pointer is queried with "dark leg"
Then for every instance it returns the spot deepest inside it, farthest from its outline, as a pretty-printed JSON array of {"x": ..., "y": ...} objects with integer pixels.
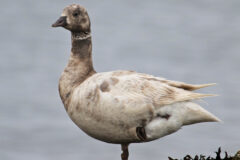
[{"x": 125, "y": 153}]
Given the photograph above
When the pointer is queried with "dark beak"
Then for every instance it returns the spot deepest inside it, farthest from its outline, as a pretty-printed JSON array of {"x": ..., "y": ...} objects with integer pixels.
[{"x": 61, "y": 22}]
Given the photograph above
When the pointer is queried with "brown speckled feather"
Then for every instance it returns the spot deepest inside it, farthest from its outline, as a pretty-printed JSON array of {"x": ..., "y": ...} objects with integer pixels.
[{"x": 121, "y": 106}]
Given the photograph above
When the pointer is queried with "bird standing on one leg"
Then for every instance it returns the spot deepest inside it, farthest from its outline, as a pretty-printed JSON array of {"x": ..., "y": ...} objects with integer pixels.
[
  {"x": 121, "y": 107},
  {"x": 125, "y": 152}
]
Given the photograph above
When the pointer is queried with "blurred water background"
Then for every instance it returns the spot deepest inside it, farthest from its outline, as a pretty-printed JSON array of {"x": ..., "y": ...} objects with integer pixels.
[{"x": 194, "y": 41}]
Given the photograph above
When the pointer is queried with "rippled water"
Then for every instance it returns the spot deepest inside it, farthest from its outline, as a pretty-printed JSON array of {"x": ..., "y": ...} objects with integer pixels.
[{"x": 193, "y": 41}]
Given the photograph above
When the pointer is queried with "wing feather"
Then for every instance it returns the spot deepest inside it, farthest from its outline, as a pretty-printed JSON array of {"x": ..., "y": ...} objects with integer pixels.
[
  {"x": 159, "y": 90},
  {"x": 129, "y": 94}
]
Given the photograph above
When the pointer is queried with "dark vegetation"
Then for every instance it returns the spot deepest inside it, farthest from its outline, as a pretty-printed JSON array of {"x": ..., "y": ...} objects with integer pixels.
[{"x": 218, "y": 157}]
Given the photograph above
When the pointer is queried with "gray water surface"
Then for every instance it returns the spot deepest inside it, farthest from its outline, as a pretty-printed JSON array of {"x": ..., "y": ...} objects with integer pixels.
[{"x": 194, "y": 41}]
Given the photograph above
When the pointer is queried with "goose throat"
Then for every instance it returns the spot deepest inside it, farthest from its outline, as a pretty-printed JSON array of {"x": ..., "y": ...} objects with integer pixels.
[
  {"x": 82, "y": 45},
  {"x": 80, "y": 36}
]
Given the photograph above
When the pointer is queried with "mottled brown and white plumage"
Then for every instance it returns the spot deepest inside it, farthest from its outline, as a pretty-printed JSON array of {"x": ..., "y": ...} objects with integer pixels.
[{"x": 121, "y": 107}]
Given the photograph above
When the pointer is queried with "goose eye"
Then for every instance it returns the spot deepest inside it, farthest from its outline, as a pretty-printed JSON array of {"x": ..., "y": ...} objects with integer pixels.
[{"x": 75, "y": 14}]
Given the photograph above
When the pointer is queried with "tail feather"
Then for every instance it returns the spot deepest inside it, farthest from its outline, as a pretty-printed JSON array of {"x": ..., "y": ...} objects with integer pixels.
[
  {"x": 189, "y": 87},
  {"x": 201, "y": 95},
  {"x": 196, "y": 114},
  {"x": 188, "y": 96},
  {"x": 199, "y": 86}
]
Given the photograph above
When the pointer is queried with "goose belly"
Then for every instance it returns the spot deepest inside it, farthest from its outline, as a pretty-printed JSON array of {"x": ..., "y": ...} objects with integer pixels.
[{"x": 102, "y": 128}]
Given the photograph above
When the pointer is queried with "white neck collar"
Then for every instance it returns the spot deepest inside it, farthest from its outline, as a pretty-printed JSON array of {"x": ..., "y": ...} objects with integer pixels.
[{"x": 80, "y": 36}]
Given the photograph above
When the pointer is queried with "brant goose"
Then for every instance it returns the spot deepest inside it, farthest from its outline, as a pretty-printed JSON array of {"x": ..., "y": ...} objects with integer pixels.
[{"x": 121, "y": 107}]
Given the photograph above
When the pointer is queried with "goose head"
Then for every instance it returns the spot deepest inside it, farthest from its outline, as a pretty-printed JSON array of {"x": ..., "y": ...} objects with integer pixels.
[{"x": 75, "y": 19}]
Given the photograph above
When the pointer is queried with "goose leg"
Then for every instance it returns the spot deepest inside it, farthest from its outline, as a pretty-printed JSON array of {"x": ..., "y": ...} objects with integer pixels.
[{"x": 125, "y": 153}]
